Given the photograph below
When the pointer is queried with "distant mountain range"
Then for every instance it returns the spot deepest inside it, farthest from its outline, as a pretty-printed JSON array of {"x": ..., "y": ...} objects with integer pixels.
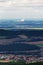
[
  {"x": 19, "y": 41},
  {"x": 20, "y": 49},
  {"x": 21, "y": 36},
  {"x": 20, "y": 24}
]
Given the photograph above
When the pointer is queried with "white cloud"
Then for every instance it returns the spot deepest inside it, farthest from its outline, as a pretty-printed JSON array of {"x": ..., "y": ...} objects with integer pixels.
[
  {"x": 21, "y": 9},
  {"x": 10, "y": 3},
  {"x": 7, "y": 3}
]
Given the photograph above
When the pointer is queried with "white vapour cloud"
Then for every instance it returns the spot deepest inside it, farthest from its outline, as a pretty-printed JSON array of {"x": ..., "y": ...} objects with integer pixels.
[
  {"x": 21, "y": 3},
  {"x": 31, "y": 9}
]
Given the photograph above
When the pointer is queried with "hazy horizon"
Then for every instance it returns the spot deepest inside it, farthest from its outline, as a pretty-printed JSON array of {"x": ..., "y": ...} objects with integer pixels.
[{"x": 25, "y": 9}]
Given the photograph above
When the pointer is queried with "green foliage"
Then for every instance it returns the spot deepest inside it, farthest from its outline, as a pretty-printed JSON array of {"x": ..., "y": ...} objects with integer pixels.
[{"x": 38, "y": 63}]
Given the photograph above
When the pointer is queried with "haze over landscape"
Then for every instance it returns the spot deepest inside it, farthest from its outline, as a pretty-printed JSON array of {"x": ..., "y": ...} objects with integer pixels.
[
  {"x": 21, "y": 30},
  {"x": 25, "y": 9},
  {"x": 17, "y": 14}
]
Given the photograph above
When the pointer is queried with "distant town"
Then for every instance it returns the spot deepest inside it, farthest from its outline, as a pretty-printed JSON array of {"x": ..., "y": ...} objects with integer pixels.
[{"x": 20, "y": 58}]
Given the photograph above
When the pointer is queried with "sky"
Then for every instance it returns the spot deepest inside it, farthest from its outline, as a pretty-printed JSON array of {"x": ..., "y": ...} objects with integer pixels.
[{"x": 21, "y": 9}]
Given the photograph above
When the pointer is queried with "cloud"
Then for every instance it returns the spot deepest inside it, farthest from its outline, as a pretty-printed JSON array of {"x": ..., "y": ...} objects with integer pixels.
[
  {"x": 31, "y": 9},
  {"x": 6, "y": 3},
  {"x": 10, "y": 3}
]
